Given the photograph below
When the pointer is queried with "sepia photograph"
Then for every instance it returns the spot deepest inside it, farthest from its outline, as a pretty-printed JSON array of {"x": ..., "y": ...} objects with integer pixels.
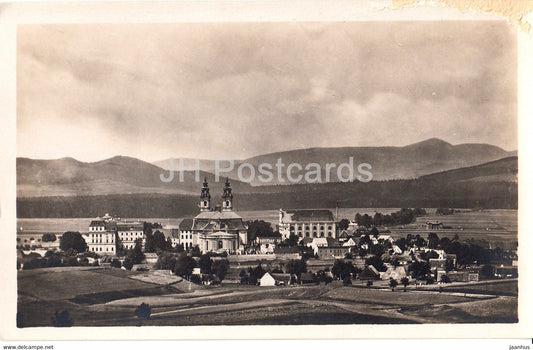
[{"x": 267, "y": 173}]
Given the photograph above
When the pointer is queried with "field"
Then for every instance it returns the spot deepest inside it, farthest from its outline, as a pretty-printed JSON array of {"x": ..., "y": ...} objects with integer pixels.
[
  {"x": 493, "y": 227},
  {"x": 109, "y": 297}
]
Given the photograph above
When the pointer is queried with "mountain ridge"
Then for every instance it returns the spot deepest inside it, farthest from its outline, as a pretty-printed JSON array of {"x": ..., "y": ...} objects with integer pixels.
[
  {"x": 388, "y": 162},
  {"x": 122, "y": 174}
]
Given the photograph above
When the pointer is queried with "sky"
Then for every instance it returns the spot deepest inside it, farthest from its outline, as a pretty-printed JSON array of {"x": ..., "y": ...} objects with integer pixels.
[{"x": 154, "y": 91}]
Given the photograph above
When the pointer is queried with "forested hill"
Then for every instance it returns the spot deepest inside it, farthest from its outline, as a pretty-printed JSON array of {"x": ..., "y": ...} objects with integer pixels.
[{"x": 492, "y": 185}]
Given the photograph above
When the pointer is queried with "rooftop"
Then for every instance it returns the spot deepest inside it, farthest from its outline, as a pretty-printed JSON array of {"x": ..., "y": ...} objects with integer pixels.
[
  {"x": 310, "y": 215},
  {"x": 186, "y": 224},
  {"x": 217, "y": 215}
]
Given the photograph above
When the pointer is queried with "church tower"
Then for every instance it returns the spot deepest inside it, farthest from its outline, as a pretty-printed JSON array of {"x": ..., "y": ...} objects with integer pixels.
[
  {"x": 205, "y": 197},
  {"x": 227, "y": 197}
]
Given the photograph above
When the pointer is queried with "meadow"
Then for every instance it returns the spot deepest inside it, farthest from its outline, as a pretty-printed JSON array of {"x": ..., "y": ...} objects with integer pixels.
[{"x": 109, "y": 297}]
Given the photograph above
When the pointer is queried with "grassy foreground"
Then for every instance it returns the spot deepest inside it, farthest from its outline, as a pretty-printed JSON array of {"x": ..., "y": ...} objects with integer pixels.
[{"x": 109, "y": 297}]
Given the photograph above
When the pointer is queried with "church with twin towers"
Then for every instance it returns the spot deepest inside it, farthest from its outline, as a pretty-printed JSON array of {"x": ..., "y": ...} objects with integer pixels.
[{"x": 218, "y": 229}]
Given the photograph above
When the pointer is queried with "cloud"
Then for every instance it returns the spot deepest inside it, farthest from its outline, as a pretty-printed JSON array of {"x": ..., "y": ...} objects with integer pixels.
[{"x": 208, "y": 90}]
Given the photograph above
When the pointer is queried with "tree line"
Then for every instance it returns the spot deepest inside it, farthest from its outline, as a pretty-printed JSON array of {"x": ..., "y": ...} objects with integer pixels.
[
  {"x": 398, "y": 193},
  {"x": 402, "y": 217}
]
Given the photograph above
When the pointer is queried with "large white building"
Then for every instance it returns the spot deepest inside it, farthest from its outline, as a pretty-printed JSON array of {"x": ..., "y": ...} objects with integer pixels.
[
  {"x": 312, "y": 223},
  {"x": 129, "y": 233},
  {"x": 106, "y": 233},
  {"x": 102, "y": 237}
]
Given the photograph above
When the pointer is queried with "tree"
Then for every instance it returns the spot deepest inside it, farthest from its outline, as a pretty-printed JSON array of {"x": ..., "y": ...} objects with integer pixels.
[
  {"x": 449, "y": 265},
  {"x": 419, "y": 211},
  {"x": 393, "y": 283},
  {"x": 72, "y": 240},
  {"x": 405, "y": 282},
  {"x": 115, "y": 263},
  {"x": 53, "y": 260},
  {"x": 433, "y": 240},
  {"x": 296, "y": 267},
  {"x": 419, "y": 269},
  {"x": 255, "y": 274},
  {"x": 366, "y": 220},
  {"x": 343, "y": 269},
  {"x": 343, "y": 224},
  {"x": 420, "y": 242},
  {"x": 205, "y": 263},
  {"x": 62, "y": 319},
  {"x": 156, "y": 241},
  {"x": 487, "y": 272},
  {"x": 220, "y": 268},
  {"x": 444, "y": 243},
  {"x": 292, "y": 241},
  {"x": 128, "y": 263},
  {"x": 49, "y": 237},
  {"x": 378, "y": 219},
  {"x": 184, "y": 266},
  {"x": 444, "y": 279},
  {"x": 143, "y": 311},
  {"x": 369, "y": 284},
  {"x": 195, "y": 251},
  {"x": 377, "y": 262},
  {"x": 120, "y": 247},
  {"x": 377, "y": 249},
  {"x": 165, "y": 261},
  {"x": 258, "y": 228},
  {"x": 136, "y": 255},
  {"x": 401, "y": 243}
]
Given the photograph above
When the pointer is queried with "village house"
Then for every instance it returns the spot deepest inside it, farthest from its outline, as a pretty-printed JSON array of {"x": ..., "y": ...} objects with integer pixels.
[
  {"x": 381, "y": 238},
  {"x": 308, "y": 278},
  {"x": 369, "y": 273},
  {"x": 351, "y": 244},
  {"x": 434, "y": 225},
  {"x": 458, "y": 276},
  {"x": 344, "y": 236},
  {"x": 267, "y": 280},
  {"x": 328, "y": 248},
  {"x": 267, "y": 242},
  {"x": 396, "y": 273}
]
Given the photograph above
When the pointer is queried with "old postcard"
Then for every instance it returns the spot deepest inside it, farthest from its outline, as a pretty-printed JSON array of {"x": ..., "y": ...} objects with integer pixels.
[{"x": 315, "y": 170}]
